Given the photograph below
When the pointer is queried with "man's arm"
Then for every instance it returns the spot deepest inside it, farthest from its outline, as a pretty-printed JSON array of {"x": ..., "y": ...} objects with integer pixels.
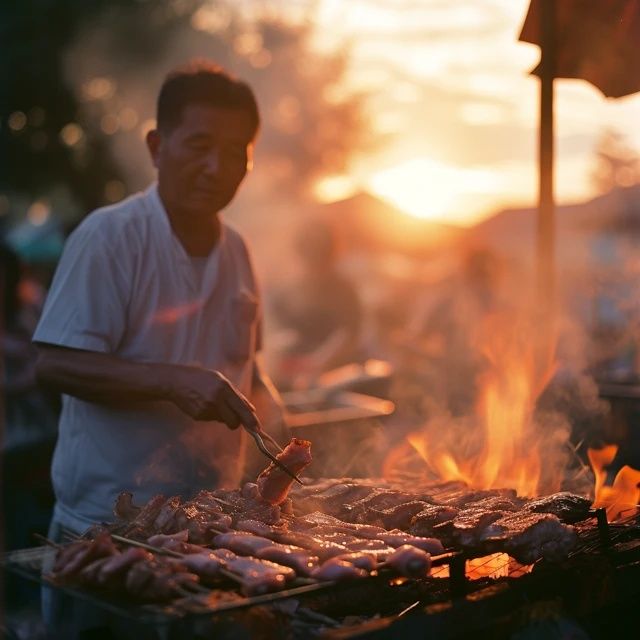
[{"x": 203, "y": 394}]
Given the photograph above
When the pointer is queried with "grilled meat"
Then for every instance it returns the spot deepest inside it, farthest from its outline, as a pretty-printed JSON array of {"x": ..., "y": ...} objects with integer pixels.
[
  {"x": 394, "y": 537},
  {"x": 117, "y": 566},
  {"x": 337, "y": 570},
  {"x": 568, "y": 507},
  {"x": 259, "y": 576},
  {"x": 465, "y": 497},
  {"x": 424, "y": 523},
  {"x": 72, "y": 559},
  {"x": 159, "y": 539},
  {"x": 273, "y": 483},
  {"x": 471, "y": 526},
  {"x": 531, "y": 536},
  {"x": 158, "y": 581},
  {"x": 410, "y": 562},
  {"x": 329, "y": 499},
  {"x": 124, "y": 509},
  {"x": 359, "y": 559},
  {"x": 399, "y": 516}
]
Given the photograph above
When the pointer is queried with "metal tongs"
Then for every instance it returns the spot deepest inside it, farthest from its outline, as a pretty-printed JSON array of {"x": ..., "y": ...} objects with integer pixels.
[{"x": 258, "y": 434}]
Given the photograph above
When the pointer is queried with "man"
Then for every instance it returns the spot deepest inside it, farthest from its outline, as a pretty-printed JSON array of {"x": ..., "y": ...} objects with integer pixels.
[{"x": 151, "y": 326}]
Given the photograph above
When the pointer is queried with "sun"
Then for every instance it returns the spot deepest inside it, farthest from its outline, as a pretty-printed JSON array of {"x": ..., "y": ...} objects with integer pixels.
[{"x": 428, "y": 189}]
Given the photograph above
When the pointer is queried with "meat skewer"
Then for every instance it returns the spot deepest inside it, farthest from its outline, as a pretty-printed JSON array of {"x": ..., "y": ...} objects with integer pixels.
[
  {"x": 254, "y": 575},
  {"x": 181, "y": 556},
  {"x": 273, "y": 483},
  {"x": 292, "y": 556}
]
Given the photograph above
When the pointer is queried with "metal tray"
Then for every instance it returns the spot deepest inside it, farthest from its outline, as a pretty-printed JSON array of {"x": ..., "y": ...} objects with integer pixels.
[{"x": 323, "y": 407}]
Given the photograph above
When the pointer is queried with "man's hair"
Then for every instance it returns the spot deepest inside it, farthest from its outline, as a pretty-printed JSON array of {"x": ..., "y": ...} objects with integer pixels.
[{"x": 202, "y": 82}]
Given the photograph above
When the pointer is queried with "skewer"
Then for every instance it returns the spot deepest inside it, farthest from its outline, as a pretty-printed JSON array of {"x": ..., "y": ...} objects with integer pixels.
[
  {"x": 411, "y": 607},
  {"x": 175, "y": 554},
  {"x": 436, "y": 561}
]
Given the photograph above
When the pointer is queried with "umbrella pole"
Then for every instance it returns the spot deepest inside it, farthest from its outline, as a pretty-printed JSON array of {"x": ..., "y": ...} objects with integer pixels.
[{"x": 545, "y": 272}]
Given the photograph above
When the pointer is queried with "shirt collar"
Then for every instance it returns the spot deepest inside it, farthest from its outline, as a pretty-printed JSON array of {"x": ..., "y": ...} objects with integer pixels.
[{"x": 157, "y": 207}]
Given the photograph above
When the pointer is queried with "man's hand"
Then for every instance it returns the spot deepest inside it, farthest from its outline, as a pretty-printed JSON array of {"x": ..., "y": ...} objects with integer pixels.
[{"x": 205, "y": 394}]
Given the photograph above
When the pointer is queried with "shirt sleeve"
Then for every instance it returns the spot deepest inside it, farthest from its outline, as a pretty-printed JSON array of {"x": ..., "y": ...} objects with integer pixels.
[{"x": 87, "y": 303}]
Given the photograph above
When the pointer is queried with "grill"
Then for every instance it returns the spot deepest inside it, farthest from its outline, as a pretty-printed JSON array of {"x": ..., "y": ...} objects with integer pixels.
[{"x": 469, "y": 593}]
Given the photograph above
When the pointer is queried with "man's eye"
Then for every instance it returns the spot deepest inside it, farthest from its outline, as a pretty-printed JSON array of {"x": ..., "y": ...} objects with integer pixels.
[{"x": 198, "y": 145}]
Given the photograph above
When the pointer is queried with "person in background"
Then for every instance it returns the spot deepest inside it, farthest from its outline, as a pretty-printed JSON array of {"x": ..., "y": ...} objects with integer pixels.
[
  {"x": 29, "y": 427},
  {"x": 152, "y": 325},
  {"x": 320, "y": 311}
]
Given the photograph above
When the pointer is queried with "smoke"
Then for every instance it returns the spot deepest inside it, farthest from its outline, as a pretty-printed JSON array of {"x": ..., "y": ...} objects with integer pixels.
[{"x": 311, "y": 123}]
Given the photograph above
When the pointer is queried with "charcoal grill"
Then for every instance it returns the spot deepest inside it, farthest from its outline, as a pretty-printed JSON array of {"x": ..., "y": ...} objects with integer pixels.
[{"x": 465, "y": 596}]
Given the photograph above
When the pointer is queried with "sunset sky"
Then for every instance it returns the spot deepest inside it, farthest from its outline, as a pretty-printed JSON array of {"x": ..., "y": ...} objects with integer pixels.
[{"x": 451, "y": 93}]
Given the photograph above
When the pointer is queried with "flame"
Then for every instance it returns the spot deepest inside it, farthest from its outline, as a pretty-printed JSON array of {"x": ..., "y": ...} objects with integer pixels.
[
  {"x": 622, "y": 497},
  {"x": 501, "y": 445}
]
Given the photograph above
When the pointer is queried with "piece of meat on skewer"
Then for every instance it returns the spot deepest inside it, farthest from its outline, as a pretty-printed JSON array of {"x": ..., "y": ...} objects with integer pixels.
[
  {"x": 143, "y": 520},
  {"x": 273, "y": 483},
  {"x": 158, "y": 581},
  {"x": 409, "y": 562},
  {"x": 336, "y": 570},
  {"x": 202, "y": 517},
  {"x": 70, "y": 560},
  {"x": 112, "y": 572},
  {"x": 303, "y": 538},
  {"x": 319, "y": 546},
  {"x": 186, "y": 548},
  {"x": 241, "y": 542},
  {"x": 259, "y": 576},
  {"x": 301, "y": 560},
  {"x": 395, "y": 538},
  {"x": 159, "y": 539},
  {"x": 358, "y": 559},
  {"x": 208, "y": 564}
]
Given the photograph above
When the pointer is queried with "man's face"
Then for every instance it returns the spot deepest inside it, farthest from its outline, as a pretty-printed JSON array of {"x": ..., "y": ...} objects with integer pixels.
[{"x": 202, "y": 161}]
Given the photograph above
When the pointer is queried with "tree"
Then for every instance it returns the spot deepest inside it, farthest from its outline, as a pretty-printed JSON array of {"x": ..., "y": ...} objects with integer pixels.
[{"x": 81, "y": 80}]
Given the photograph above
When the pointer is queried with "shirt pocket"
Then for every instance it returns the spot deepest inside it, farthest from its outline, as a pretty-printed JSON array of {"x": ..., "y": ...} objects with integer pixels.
[{"x": 241, "y": 321}]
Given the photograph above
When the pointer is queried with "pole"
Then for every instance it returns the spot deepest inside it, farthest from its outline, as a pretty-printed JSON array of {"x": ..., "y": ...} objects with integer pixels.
[{"x": 546, "y": 206}]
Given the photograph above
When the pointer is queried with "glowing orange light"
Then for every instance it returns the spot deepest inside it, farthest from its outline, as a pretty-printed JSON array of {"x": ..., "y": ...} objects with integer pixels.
[
  {"x": 502, "y": 445},
  {"x": 621, "y": 498}
]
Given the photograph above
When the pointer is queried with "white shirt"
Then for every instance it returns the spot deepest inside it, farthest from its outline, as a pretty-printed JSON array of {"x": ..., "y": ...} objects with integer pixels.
[{"x": 125, "y": 286}]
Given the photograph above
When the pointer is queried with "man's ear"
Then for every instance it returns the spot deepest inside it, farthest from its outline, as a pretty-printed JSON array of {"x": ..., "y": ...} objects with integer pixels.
[
  {"x": 154, "y": 142},
  {"x": 249, "y": 157}
]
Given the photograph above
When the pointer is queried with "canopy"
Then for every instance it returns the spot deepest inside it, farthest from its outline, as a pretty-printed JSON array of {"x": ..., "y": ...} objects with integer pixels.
[{"x": 595, "y": 40}]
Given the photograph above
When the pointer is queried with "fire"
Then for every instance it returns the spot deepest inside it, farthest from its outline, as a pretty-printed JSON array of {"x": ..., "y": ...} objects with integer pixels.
[
  {"x": 622, "y": 497},
  {"x": 501, "y": 444}
]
